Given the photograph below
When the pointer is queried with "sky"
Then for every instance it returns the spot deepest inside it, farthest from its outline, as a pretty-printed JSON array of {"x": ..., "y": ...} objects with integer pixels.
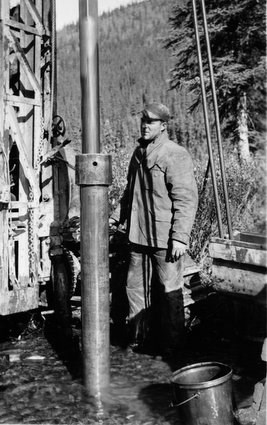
[{"x": 68, "y": 10}]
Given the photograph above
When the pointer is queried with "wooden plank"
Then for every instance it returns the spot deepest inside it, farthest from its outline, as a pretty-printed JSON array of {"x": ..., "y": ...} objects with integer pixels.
[
  {"x": 19, "y": 237},
  {"x": 19, "y": 300},
  {"x": 24, "y": 62},
  {"x": 238, "y": 254},
  {"x": 18, "y": 204},
  {"x": 33, "y": 11},
  {"x": 254, "y": 238},
  {"x": 12, "y": 275},
  {"x": 37, "y": 125},
  {"x": 3, "y": 250},
  {"x": 26, "y": 120},
  {"x": 239, "y": 281},
  {"x": 47, "y": 176},
  {"x": 17, "y": 136},
  {"x": 18, "y": 100},
  {"x": 18, "y": 210},
  {"x": 4, "y": 10},
  {"x": 238, "y": 242},
  {"x": 19, "y": 219},
  {"x": 47, "y": 206},
  {"x": 190, "y": 267},
  {"x": 4, "y": 144},
  {"x": 26, "y": 171},
  {"x": 20, "y": 26}
]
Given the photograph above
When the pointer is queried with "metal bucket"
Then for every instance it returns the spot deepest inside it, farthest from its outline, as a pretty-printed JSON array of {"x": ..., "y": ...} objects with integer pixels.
[{"x": 203, "y": 394}]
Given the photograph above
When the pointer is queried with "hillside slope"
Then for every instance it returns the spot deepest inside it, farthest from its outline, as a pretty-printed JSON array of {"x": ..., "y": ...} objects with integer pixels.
[{"x": 134, "y": 67}]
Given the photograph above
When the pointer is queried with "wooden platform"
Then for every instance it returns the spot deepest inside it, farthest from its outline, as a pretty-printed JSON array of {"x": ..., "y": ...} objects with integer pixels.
[{"x": 239, "y": 266}]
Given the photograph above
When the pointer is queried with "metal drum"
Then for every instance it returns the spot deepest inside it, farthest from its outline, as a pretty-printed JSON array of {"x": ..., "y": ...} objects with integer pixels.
[{"x": 203, "y": 394}]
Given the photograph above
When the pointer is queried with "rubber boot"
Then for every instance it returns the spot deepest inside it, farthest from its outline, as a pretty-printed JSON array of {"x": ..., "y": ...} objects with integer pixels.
[
  {"x": 138, "y": 331},
  {"x": 172, "y": 324}
]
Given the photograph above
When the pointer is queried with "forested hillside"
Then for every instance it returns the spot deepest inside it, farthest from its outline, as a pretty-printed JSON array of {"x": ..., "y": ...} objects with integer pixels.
[{"x": 134, "y": 67}]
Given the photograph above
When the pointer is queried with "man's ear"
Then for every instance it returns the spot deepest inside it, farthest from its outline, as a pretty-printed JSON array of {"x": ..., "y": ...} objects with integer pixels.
[{"x": 163, "y": 126}]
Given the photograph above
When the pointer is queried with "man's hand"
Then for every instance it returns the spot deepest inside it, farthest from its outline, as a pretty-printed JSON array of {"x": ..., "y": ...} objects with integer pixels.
[
  {"x": 113, "y": 225},
  {"x": 177, "y": 249},
  {"x": 112, "y": 222}
]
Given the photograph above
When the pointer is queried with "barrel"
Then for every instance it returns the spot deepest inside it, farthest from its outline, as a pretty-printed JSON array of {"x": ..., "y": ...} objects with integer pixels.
[{"x": 202, "y": 393}]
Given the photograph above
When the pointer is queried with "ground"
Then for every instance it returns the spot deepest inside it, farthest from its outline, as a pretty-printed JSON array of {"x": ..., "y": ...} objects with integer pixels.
[{"x": 41, "y": 377}]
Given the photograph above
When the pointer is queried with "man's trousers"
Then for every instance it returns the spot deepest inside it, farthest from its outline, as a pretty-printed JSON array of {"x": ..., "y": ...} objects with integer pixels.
[{"x": 155, "y": 284}]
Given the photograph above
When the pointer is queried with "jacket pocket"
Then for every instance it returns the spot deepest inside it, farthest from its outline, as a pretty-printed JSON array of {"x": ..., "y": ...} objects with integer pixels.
[{"x": 154, "y": 179}]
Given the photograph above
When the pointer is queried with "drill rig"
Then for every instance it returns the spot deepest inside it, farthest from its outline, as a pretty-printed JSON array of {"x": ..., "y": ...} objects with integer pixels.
[{"x": 35, "y": 179}]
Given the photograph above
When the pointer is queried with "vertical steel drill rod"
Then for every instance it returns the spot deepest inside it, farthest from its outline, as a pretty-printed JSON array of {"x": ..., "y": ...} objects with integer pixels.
[
  {"x": 217, "y": 121},
  {"x": 93, "y": 174},
  {"x": 89, "y": 74},
  {"x": 206, "y": 120}
]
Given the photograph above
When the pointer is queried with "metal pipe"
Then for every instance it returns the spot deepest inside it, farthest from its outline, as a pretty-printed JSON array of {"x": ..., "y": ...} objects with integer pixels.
[
  {"x": 217, "y": 120},
  {"x": 89, "y": 75},
  {"x": 206, "y": 120},
  {"x": 93, "y": 174}
]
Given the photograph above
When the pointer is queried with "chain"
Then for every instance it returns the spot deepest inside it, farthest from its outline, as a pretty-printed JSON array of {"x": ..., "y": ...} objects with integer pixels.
[
  {"x": 32, "y": 210},
  {"x": 31, "y": 244},
  {"x": 40, "y": 147}
]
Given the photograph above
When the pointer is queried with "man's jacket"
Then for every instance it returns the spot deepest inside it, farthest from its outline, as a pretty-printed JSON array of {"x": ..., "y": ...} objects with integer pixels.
[{"x": 160, "y": 200}]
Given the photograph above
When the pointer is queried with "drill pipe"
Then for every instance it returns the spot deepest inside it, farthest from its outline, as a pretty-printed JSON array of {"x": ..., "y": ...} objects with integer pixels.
[
  {"x": 217, "y": 121},
  {"x": 93, "y": 174},
  {"x": 207, "y": 123}
]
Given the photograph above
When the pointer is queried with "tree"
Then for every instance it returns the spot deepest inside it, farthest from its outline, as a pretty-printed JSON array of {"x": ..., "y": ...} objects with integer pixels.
[{"x": 237, "y": 40}]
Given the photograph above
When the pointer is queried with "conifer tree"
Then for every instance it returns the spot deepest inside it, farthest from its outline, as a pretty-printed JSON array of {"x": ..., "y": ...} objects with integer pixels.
[{"x": 237, "y": 40}]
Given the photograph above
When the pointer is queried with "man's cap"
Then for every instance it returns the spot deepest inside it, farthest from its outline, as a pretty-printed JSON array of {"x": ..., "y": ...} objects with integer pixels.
[{"x": 158, "y": 109}]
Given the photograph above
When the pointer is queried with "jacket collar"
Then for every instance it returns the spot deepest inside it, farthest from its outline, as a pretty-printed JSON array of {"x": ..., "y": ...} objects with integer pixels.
[
  {"x": 155, "y": 143},
  {"x": 148, "y": 151}
]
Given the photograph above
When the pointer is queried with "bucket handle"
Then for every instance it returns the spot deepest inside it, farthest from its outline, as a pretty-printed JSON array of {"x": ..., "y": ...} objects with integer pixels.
[{"x": 196, "y": 395}]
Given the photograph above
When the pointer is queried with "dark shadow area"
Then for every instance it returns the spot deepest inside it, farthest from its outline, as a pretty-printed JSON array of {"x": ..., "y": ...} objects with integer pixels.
[
  {"x": 119, "y": 308},
  {"x": 65, "y": 345},
  {"x": 31, "y": 324},
  {"x": 159, "y": 398},
  {"x": 14, "y": 326}
]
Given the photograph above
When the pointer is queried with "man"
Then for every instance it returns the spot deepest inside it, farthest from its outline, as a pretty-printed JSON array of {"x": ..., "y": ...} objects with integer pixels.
[{"x": 159, "y": 204}]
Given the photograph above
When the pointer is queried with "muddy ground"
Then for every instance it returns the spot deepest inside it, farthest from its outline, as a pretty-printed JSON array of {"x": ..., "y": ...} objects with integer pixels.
[{"x": 41, "y": 376}]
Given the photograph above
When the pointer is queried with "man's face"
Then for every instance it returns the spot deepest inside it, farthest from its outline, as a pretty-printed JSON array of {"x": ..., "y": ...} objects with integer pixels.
[{"x": 151, "y": 127}]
